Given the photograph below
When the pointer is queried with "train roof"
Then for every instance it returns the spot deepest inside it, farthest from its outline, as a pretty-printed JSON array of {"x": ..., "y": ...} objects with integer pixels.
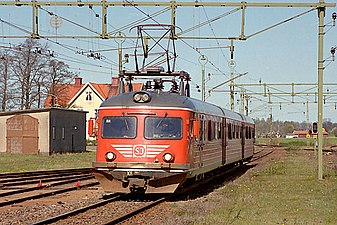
[
  {"x": 247, "y": 119},
  {"x": 168, "y": 99}
]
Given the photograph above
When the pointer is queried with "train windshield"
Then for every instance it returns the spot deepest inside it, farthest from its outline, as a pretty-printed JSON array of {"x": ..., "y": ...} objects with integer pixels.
[
  {"x": 163, "y": 127},
  {"x": 119, "y": 127}
]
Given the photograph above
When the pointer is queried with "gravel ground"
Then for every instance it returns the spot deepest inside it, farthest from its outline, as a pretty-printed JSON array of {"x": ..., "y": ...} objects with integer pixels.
[{"x": 36, "y": 210}]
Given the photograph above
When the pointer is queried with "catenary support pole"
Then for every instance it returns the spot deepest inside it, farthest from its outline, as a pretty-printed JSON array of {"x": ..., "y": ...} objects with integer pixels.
[{"x": 321, "y": 14}]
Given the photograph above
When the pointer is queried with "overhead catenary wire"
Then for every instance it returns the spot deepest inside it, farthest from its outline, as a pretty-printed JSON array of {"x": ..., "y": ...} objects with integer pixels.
[
  {"x": 70, "y": 21},
  {"x": 150, "y": 17},
  {"x": 14, "y": 26},
  {"x": 139, "y": 21},
  {"x": 217, "y": 41},
  {"x": 68, "y": 47},
  {"x": 208, "y": 21},
  {"x": 280, "y": 23}
]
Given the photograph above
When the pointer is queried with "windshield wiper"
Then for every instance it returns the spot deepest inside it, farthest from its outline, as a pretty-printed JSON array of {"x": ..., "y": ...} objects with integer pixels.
[
  {"x": 126, "y": 122},
  {"x": 162, "y": 119}
]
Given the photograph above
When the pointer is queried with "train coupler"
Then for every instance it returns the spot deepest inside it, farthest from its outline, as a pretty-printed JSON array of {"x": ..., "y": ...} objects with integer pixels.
[{"x": 138, "y": 185}]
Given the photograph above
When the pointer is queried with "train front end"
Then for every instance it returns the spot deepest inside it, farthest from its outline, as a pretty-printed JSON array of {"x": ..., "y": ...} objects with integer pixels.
[{"x": 141, "y": 145}]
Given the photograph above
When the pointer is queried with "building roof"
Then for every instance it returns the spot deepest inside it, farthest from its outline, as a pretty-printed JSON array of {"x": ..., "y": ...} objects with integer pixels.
[
  {"x": 66, "y": 94},
  {"x": 17, "y": 112},
  {"x": 305, "y": 132},
  {"x": 300, "y": 132}
]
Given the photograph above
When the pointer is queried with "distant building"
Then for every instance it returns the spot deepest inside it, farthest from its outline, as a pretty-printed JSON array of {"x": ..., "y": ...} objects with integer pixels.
[
  {"x": 305, "y": 133},
  {"x": 48, "y": 131},
  {"x": 87, "y": 97}
]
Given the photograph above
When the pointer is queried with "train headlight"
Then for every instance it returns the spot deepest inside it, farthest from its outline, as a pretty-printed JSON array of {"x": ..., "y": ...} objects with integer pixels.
[
  {"x": 110, "y": 156},
  {"x": 137, "y": 97},
  {"x": 168, "y": 157},
  {"x": 145, "y": 98},
  {"x": 141, "y": 97}
]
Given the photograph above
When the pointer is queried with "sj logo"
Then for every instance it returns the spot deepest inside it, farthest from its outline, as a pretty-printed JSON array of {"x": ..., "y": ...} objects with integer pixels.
[{"x": 139, "y": 150}]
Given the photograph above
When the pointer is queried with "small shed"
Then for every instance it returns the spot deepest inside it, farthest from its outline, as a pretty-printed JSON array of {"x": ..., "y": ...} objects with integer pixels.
[{"x": 48, "y": 130}]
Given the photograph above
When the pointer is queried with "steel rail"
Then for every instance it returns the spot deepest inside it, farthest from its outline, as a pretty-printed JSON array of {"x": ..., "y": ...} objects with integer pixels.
[
  {"x": 79, "y": 210},
  {"x": 42, "y": 187},
  {"x": 42, "y": 176},
  {"x": 45, "y": 194},
  {"x": 47, "y": 179},
  {"x": 10, "y": 175},
  {"x": 137, "y": 211},
  {"x": 260, "y": 157}
]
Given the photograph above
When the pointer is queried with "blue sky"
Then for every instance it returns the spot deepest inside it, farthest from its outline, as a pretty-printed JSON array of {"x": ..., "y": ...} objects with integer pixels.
[{"x": 285, "y": 54}]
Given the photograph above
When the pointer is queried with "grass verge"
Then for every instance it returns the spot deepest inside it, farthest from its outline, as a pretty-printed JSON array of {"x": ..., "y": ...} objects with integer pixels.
[
  {"x": 297, "y": 142},
  {"x": 286, "y": 192},
  {"x": 34, "y": 162}
]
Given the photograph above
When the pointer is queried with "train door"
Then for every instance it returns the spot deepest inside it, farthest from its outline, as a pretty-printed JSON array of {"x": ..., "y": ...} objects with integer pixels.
[
  {"x": 224, "y": 140},
  {"x": 243, "y": 139},
  {"x": 201, "y": 140},
  {"x": 193, "y": 139}
]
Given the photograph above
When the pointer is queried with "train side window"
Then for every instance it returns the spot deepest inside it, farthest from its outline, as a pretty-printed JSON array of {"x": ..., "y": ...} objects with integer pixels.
[
  {"x": 215, "y": 130},
  {"x": 209, "y": 130},
  {"x": 238, "y": 131},
  {"x": 229, "y": 131},
  {"x": 233, "y": 131},
  {"x": 219, "y": 130}
]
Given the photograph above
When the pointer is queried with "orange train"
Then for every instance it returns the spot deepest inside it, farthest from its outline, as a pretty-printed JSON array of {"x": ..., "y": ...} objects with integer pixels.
[{"x": 153, "y": 141}]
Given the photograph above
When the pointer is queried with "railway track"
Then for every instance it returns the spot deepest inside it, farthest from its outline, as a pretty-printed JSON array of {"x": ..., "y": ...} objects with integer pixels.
[
  {"x": 116, "y": 218},
  {"x": 44, "y": 172},
  {"x": 65, "y": 215},
  {"x": 39, "y": 195},
  {"x": 257, "y": 157},
  {"x": 33, "y": 183},
  {"x": 13, "y": 184},
  {"x": 228, "y": 175},
  {"x": 13, "y": 180}
]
